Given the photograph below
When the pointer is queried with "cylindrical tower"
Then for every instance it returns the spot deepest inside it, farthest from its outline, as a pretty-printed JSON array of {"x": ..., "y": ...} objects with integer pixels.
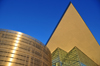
[{"x": 18, "y": 49}]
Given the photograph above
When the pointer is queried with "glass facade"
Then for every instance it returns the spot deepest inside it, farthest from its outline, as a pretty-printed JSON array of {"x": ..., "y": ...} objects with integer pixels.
[
  {"x": 57, "y": 57},
  {"x": 18, "y": 49},
  {"x": 73, "y": 58}
]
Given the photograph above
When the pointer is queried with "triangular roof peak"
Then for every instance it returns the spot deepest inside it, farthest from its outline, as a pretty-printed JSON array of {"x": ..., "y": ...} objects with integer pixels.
[
  {"x": 70, "y": 4},
  {"x": 72, "y": 31}
]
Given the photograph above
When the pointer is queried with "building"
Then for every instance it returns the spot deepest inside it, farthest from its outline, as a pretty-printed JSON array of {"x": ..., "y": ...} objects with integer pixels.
[
  {"x": 58, "y": 56},
  {"x": 18, "y": 49},
  {"x": 74, "y": 57},
  {"x": 74, "y": 43},
  {"x": 72, "y": 31}
]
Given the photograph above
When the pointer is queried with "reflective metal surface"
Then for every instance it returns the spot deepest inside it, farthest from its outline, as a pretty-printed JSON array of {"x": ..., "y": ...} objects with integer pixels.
[
  {"x": 15, "y": 32},
  {"x": 18, "y": 49}
]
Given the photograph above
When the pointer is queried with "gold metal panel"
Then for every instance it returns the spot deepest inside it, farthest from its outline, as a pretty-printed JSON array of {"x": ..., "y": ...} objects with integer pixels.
[
  {"x": 18, "y": 49},
  {"x": 72, "y": 31}
]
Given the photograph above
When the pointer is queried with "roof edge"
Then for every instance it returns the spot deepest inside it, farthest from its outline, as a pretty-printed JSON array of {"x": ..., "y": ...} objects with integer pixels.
[{"x": 58, "y": 22}]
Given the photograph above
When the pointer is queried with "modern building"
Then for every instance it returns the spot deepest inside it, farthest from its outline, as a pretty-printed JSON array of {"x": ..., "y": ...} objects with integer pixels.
[
  {"x": 74, "y": 43},
  {"x": 19, "y": 49},
  {"x": 72, "y": 31},
  {"x": 75, "y": 57},
  {"x": 58, "y": 56}
]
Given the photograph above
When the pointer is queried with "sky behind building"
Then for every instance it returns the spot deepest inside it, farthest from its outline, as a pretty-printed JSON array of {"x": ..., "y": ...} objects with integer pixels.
[{"x": 38, "y": 18}]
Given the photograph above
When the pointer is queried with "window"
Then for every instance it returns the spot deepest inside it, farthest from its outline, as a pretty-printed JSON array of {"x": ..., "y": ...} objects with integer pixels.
[
  {"x": 37, "y": 53},
  {"x": 38, "y": 46}
]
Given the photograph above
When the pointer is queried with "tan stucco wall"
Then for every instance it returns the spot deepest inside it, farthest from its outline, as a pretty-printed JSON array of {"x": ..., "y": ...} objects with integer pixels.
[{"x": 72, "y": 31}]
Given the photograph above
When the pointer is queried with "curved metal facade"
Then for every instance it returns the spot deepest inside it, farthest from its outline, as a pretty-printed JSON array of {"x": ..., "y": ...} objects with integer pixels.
[{"x": 18, "y": 49}]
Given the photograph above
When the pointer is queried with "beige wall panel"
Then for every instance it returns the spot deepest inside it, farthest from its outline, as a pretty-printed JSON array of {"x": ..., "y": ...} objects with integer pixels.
[{"x": 72, "y": 31}]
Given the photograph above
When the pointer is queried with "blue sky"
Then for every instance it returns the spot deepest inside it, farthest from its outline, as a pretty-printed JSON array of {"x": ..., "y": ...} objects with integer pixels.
[{"x": 38, "y": 18}]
